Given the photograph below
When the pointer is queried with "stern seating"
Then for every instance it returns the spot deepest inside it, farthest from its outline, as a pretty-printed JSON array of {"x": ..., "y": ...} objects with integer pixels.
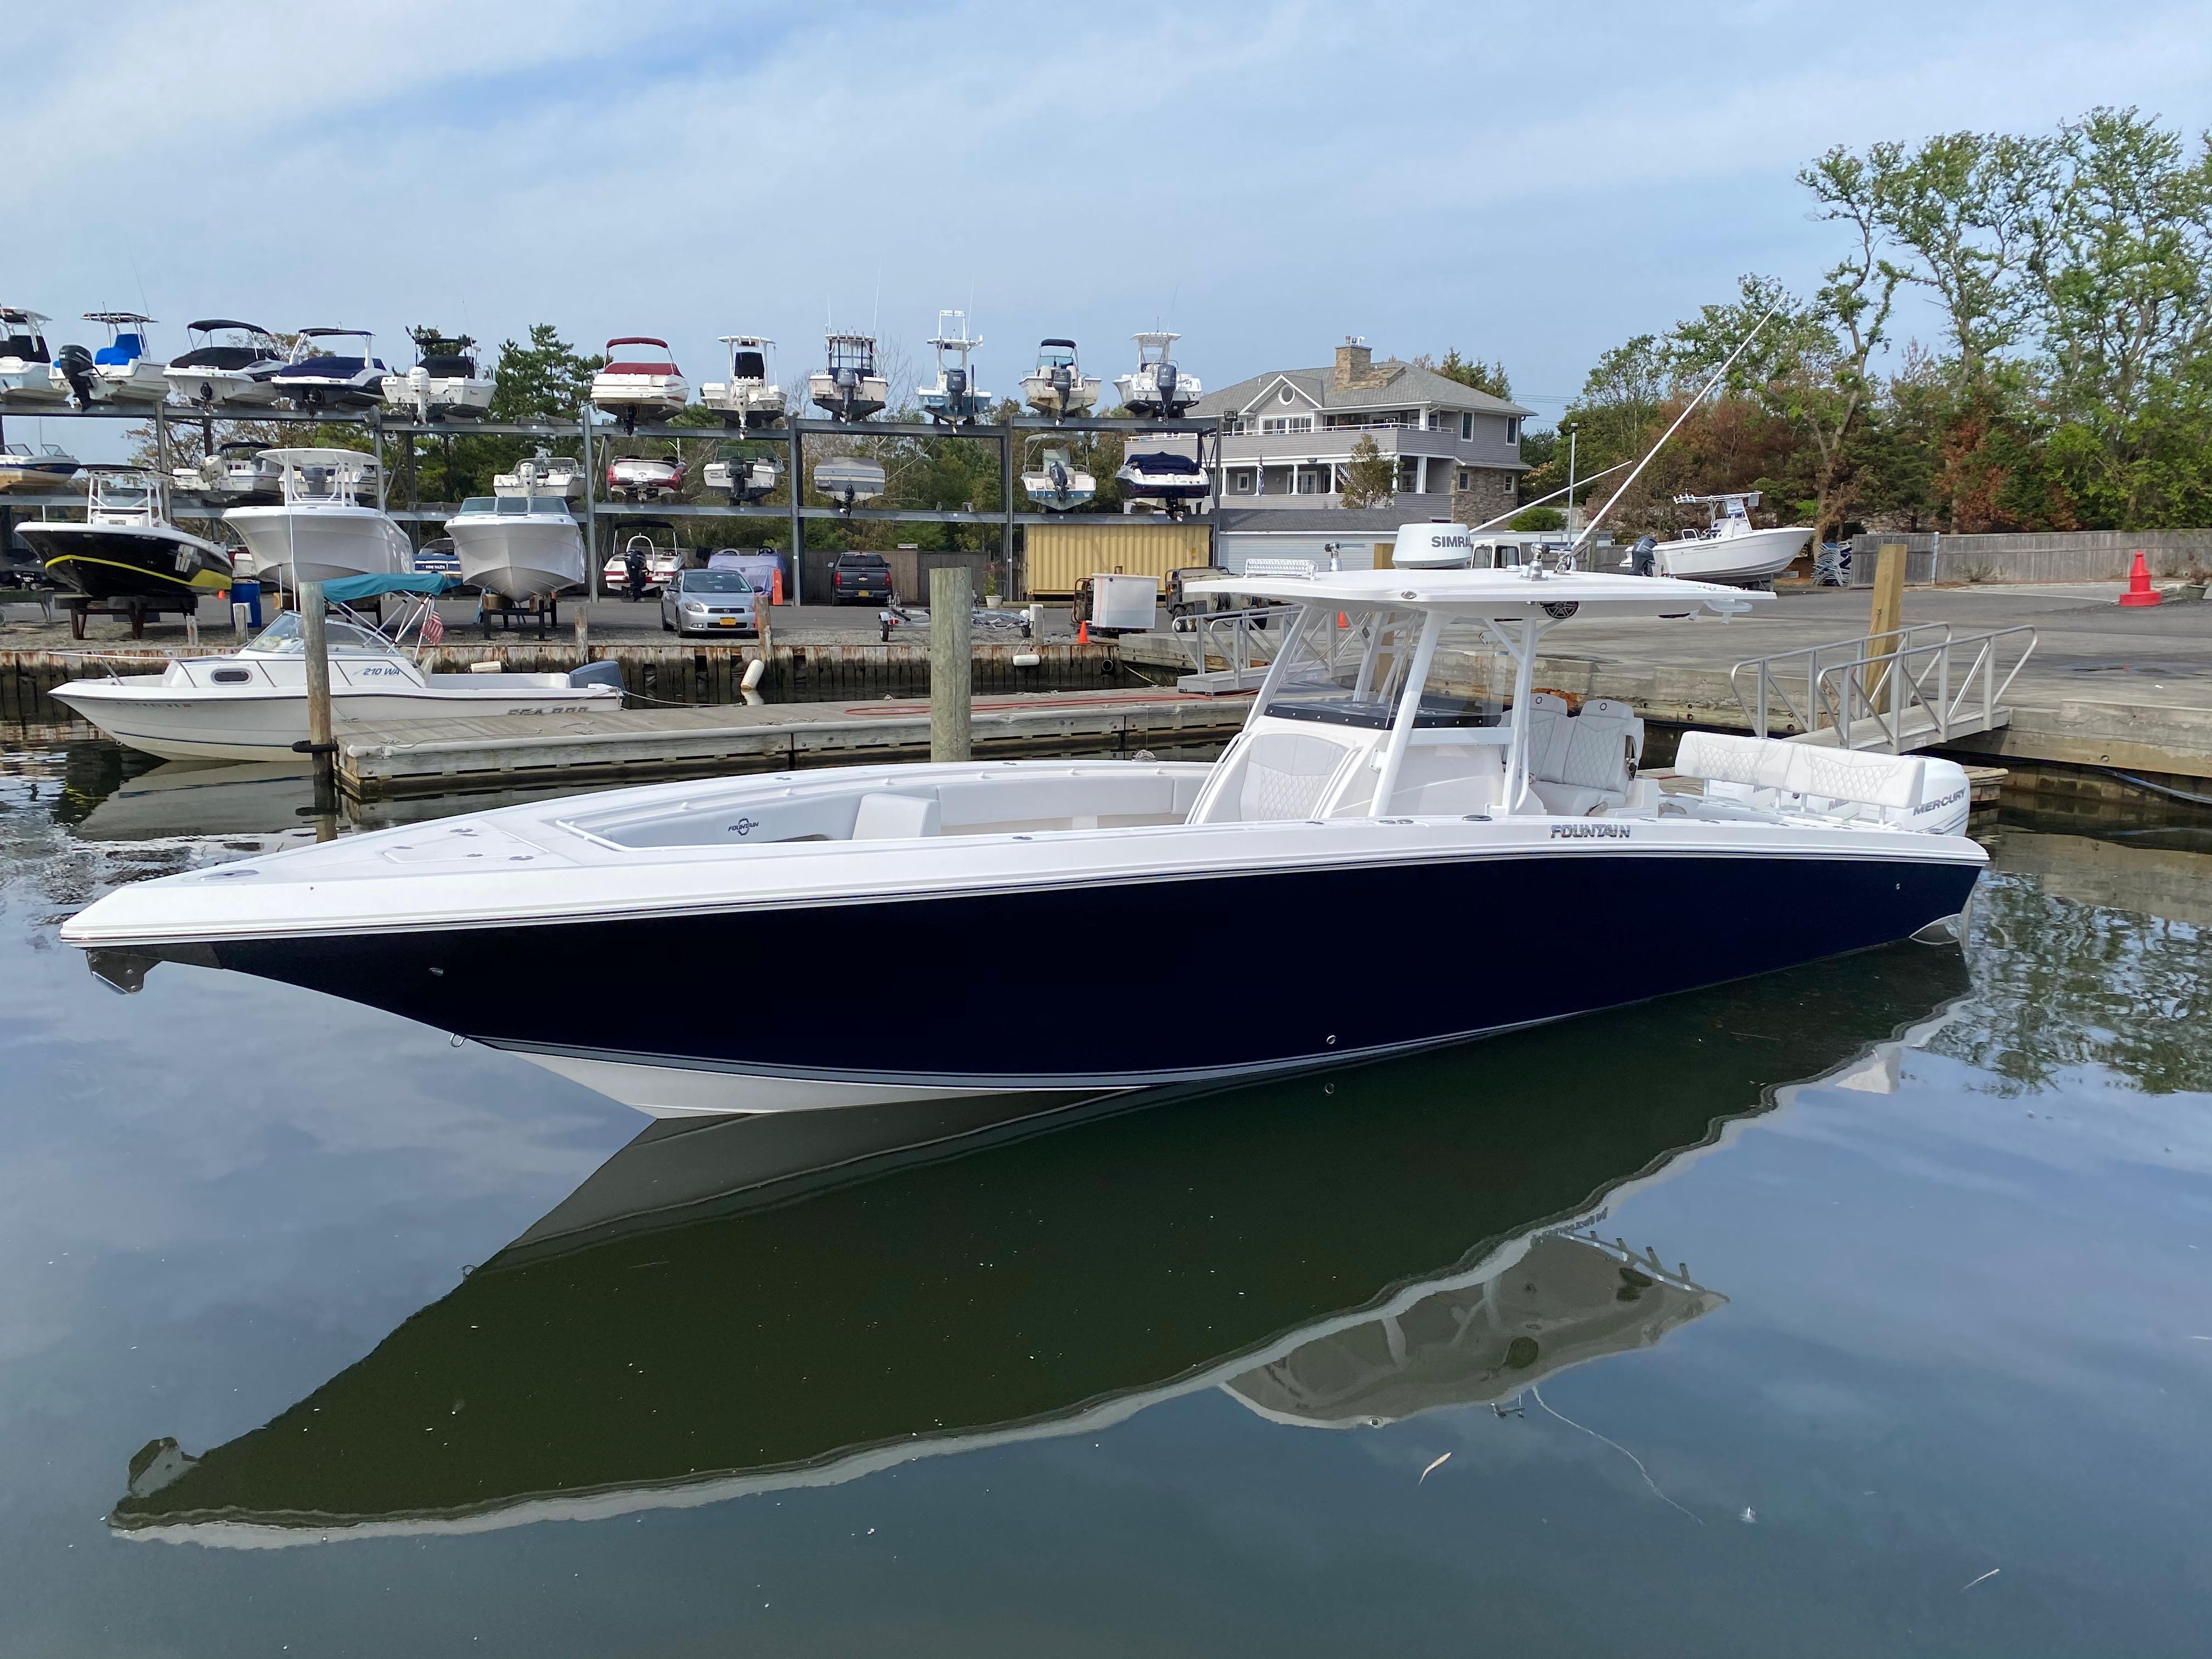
[
  {"x": 1579, "y": 763},
  {"x": 1915, "y": 792}
]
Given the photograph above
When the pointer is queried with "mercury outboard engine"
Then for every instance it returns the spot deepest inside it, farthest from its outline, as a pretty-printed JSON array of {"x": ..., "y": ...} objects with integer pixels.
[
  {"x": 75, "y": 362},
  {"x": 1164, "y": 379}
]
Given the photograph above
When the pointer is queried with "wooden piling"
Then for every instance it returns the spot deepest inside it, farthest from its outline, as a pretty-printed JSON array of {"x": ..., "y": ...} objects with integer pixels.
[
  {"x": 950, "y": 664},
  {"x": 1887, "y": 617},
  {"x": 316, "y": 642}
]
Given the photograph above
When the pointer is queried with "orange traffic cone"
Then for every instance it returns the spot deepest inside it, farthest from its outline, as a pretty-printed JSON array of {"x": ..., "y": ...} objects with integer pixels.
[
  {"x": 1083, "y": 633},
  {"x": 2139, "y": 589}
]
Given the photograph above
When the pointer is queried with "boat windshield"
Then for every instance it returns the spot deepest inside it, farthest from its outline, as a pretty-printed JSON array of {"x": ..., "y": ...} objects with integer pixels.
[
  {"x": 283, "y": 638},
  {"x": 513, "y": 506},
  {"x": 1350, "y": 670}
]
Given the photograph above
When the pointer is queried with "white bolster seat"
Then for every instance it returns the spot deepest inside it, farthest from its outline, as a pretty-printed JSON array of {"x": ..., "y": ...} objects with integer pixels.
[
  {"x": 1913, "y": 791},
  {"x": 885, "y": 817},
  {"x": 1285, "y": 775}
]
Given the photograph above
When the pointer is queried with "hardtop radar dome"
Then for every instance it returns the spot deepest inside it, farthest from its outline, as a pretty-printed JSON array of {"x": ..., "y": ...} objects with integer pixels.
[{"x": 1431, "y": 547}]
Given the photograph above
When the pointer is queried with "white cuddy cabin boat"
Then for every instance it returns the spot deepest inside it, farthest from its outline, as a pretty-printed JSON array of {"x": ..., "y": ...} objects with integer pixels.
[
  {"x": 27, "y": 362},
  {"x": 750, "y": 395},
  {"x": 1729, "y": 550},
  {"x": 519, "y": 545},
  {"x": 444, "y": 382},
  {"x": 1531, "y": 874},
  {"x": 641, "y": 387},
  {"x": 322, "y": 531},
  {"x": 252, "y": 704},
  {"x": 1058, "y": 386},
  {"x": 231, "y": 364}
]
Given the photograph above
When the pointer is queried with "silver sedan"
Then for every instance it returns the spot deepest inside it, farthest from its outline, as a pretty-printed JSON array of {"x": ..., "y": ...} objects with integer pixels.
[{"x": 710, "y": 602}]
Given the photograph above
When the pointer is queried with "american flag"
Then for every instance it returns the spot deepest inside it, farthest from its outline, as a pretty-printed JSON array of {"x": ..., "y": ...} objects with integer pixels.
[{"x": 433, "y": 628}]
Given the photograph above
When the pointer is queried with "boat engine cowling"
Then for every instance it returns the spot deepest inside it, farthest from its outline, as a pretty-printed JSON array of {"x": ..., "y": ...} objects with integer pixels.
[
  {"x": 1163, "y": 383},
  {"x": 597, "y": 673},
  {"x": 75, "y": 362}
]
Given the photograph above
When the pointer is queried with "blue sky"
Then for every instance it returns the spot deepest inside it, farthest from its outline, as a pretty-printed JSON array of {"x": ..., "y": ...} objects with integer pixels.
[{"x": 1531, "y": 184}]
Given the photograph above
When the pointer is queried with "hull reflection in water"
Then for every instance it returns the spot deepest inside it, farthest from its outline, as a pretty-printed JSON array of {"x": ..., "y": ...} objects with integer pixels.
[{"x": 744, "y": 1305}]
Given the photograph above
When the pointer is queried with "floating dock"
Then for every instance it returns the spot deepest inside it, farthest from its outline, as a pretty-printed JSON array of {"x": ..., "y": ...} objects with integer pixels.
[{"x": 525, "y": 750}]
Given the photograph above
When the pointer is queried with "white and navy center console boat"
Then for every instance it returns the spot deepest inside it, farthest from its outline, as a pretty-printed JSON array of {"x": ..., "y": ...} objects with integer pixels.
[{"x": 1389, "y": 787}]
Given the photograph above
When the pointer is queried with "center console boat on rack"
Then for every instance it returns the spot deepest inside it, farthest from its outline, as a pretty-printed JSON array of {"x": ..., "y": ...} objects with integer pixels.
[{"x": 1400, "y": 784}]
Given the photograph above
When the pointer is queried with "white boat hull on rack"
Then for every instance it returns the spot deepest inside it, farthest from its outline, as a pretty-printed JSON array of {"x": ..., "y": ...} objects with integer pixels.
[
  {"x": 321, "y": 544},
  {"x": 519, "y": 558}
]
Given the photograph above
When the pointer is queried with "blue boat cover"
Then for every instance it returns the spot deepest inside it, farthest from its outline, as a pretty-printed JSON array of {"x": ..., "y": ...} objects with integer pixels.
[{"x": 347, "y": 589}]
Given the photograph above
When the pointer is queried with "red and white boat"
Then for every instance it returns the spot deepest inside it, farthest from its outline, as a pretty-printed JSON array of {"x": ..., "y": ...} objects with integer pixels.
[
  {"x": 646, "y": 477},
  {"x": 636, "y": 385}
]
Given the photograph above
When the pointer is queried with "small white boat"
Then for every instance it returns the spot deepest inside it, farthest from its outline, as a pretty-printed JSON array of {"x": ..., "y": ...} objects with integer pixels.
[
  {"x": 848, "y": 386},
  {"x": 252, "y": 704},
  {"x": 543, "y": 474},
  {"x": 653, "y": 542},
  {"x": 1055, "y": 482},
  {"x": 953, "y": 398},
  {"x": 325, "y": 374},
  {"x": 231, "y": 364},
  {"x": 119, "y": 372},
  {"x": 23, "y": 469},
  {"x": 27, "y": 363},
  {"x": 1157, "y": 389},
  {"x": 646, "y": 477},
  {"x": 1731, "y": 550},
  {"x": 323, "y": 530},
  {"x": 1057, "y": 385},
  {"x": 519, "y": 545},
  {"x": 1162, "y": 475},
  {"x": 641, "y": 386},
  {"x": 848, "y": 480},
  {"x": 125, "y": 547},
  {"x": 235, "y": 474},
  {"x": 743, "y": 472},
  {"x": 444, "y": 382},
  {"x": 750, "y": 397}
]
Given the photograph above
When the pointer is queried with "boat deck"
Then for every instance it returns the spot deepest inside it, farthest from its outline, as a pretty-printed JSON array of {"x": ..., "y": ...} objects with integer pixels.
[{"x": 509, "y": 750}]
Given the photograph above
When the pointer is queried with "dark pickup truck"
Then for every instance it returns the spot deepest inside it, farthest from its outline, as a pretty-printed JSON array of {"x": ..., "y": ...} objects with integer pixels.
[{"x": 861, "y": 579}]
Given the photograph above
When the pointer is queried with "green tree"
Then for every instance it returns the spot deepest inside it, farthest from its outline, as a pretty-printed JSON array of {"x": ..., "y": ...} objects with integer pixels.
[
  {"x": 1469, "y": 372},
  {"x": 1371, "y": 479}
]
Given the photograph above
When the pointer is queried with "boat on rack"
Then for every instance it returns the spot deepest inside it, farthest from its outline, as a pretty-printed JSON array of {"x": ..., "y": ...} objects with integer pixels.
[
  {"x": 1054, "y": 481},
  {"x": 750, "y": 397},
  {"x": 848, "y": 386},
  {"x": 1057, "y": 385},
  {"x": 252, "y": 704},
  {"x": 126, "y": 547},
  {"x": 1730, "y": 549},
  {"x": 1161, "y": 475},
  {"x": 27, "y": 362},
  {"x": 648, "y": 477},
  {"x": 30, "y": 471},
  {"x": 322, "y": 529},
  {"x": 234, "y": 475},
  {"x": 953, "y": 398},
  {"x": 332, "y": 368},
  {"x": 1157, "y": 389},
  {"x": 640, "y": 385},
  {"x": 119, "y": 372},
  {"x": 231, "y": 364},
  {"x": 443, "y": 383},
  {"x": 744, "y": 472},
  {"x": 543, "y": 474},
  {"x": 652, "y": 540},
  {"x": 1397, "y": 762},
  {"x": 848, "y": 480},
  {"x": 522, "y": 546}
]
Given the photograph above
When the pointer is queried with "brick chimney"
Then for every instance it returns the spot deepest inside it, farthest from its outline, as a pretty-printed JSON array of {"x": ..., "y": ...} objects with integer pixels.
[{"x": 1355, "y": 366}]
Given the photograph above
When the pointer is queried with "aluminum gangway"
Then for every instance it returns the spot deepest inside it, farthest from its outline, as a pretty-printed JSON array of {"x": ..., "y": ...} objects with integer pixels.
[{"x": 1918, "y": 687}]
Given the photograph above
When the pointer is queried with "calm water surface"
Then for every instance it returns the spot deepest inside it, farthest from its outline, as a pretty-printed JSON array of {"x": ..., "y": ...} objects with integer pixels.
[{"x": 1858, "y": 1309}]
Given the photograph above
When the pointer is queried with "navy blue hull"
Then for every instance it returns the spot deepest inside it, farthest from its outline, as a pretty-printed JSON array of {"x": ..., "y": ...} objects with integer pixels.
[{"x": 1128, "y": 984}]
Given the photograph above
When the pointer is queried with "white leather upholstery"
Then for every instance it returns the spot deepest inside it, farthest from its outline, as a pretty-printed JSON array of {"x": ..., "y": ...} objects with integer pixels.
[
  {"x": 1284, "y": 774},
  {"x": 895, "y": 818},
  {"x": 1894, "y": 782},
  {"x": 1577, "y": 762}
]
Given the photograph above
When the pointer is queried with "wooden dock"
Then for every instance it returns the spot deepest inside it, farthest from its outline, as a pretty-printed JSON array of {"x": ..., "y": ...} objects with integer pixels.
[{"x": 523, "y": 750}]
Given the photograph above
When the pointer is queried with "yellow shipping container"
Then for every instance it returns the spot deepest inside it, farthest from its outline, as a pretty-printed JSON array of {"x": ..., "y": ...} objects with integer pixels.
[{"x": 1061, "y": 554}]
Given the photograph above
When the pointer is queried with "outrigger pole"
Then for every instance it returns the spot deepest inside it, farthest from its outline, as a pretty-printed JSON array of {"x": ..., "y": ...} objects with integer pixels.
[{"x": 1679, "y": 419}]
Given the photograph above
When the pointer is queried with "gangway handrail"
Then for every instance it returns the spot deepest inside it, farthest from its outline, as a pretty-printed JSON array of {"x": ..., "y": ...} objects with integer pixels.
[{"x": 1909, "y": 695}]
